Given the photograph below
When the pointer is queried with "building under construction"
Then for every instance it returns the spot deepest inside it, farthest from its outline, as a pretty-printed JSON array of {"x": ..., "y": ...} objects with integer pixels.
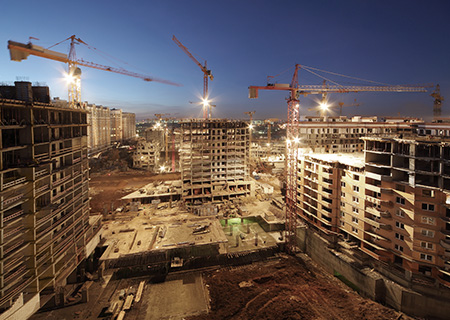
[
  {"x": 391, "y": 203},
  {"x": 46, "y": 231},
  {"x": 214, "y": 160}
]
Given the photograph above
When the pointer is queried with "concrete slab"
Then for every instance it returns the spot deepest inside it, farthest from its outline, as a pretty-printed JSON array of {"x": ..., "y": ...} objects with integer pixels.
[{"x": 179, "y": 296}]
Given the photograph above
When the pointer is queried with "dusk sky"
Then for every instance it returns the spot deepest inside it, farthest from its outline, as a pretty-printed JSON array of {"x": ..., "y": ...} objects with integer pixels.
[{"x": 392, "y": 42}]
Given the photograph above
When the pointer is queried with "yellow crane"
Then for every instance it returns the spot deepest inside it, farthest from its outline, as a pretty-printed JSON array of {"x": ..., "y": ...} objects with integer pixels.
[{"x": 21, "y": 51}]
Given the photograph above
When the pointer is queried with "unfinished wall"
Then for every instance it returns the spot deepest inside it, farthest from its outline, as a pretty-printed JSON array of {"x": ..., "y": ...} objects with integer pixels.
[{"x": 371, "y": 284}]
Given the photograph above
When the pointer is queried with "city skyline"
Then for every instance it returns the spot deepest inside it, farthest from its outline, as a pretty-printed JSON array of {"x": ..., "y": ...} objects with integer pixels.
[{"x": 395, "y": 43}]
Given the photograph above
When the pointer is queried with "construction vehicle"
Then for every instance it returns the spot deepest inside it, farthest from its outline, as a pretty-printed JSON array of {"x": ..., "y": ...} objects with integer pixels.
[
  {"x": 20, "y": 51},
  {"x": 292, "y": 131},
  {"x": 206, "y": 75}
]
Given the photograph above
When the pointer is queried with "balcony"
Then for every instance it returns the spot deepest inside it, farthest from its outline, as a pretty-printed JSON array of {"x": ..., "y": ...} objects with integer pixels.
[
  {"x": 377, "y": 224},
  {"x": 14, "y": 183},
  {"x": 373, "y": 211},
  {"x": 378, "y": 177},
  {"x": 40, "y": 173},
  {"x": 59, "y": 181},
  {"x": 373, "y": 188},
  {"x": 14, "y": 215},
  {"x": 9, "y": 202},
  {"x": 445, "y": 243}
]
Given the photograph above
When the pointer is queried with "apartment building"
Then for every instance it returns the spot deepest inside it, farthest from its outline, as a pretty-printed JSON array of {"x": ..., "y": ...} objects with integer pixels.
[
  {"x": 408, "y": 185},
  {"x": 99, "y": 127},
  {"x": 116, "y": 125},
  {"x": 331, "y": 192},
  {"x": 214, "y": 160},
  {"x": 392, "y": 203},
  {"x": 343, "y": 134},
  {"x": 128, "y": 125},
  {"x": 45, "y": 227}
]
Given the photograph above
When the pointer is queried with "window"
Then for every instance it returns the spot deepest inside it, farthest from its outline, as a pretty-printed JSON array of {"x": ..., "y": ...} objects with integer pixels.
[
  {"x": 399, "y": 236},
  {"x": 342, "y": 204},
  {"x": 354, "y": 220},
  {"x": 356, "y": 177},
  {"x": 428, "y": 206},
  {"x": 400, "y": 187},
  {"x": 426, "y": 245},
  {"x": 400, "y": 213},
  {"x": 398, "y": 248},
  {"x": 399, "y": 225},
  {"x": 354, "y": 230},
  {"x": 428, "y": 233},
  {"x": 343, "y": 194},
  {"x": 342, "y": 214},
  {"x": 428, "y": 193},
  {"x": 428, "y": 220},
  {"x": 355, "y": 210},
  {"x": 342, "y": 223},
  {"x": 426, "y": 257},
  {"x": 356, "y": 188},
  {"x": 400, "y": 200},
  {"x": 343, "y": 184},
  {"x": 356, "y": 199}
]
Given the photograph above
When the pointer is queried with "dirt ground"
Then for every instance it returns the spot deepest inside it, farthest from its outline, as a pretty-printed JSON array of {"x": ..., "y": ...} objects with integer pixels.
[
  {"x": 107, "y": 189},
  {"x": 286, "y": 288}
]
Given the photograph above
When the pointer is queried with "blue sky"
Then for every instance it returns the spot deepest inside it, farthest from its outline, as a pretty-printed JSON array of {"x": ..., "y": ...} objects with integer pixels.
[{"x": 395, "y": 42}]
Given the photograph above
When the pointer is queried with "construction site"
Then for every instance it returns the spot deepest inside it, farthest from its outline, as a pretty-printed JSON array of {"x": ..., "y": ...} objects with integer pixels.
[{"x": 316, "y": 217}]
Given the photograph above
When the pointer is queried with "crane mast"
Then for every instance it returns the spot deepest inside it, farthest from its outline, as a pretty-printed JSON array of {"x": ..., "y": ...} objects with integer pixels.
[
  {"x": 206, "y": 75},
  {"x": 250, "y": 127},
  {"x": 292, "y": 133}
]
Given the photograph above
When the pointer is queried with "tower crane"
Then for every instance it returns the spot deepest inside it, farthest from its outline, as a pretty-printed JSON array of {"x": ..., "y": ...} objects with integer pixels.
[
  {"x": 437, "y": 107},
  {"x": 292, "y": 133},
  {"x": 250, "y": 127},
  {"x": 20, "y": 51},
  {"x": 269, "y": 123},
  {"x": 206, "y": 75}
]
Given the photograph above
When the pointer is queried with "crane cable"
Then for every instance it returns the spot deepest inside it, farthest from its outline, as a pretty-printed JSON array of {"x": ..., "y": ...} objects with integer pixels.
[{"x": 342, "y": 75}]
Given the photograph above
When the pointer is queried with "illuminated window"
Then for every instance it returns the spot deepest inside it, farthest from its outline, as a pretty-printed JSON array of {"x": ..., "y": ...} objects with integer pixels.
[
  {"x": 400, "y": 213},
  {"x": 428, "y": 193},
  {"x": 428, "y": 233},
  {"x": 428, "y": 220},
  {"x": 426, "y": 245}
]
